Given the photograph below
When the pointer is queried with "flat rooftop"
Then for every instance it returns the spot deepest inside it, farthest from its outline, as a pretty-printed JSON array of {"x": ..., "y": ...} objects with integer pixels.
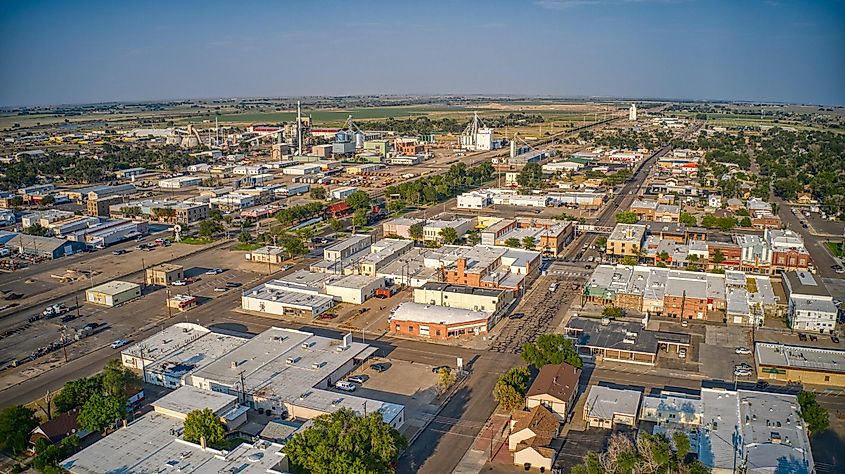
[
  {"x": 467, "y": 290},
  {"x": 166, "y": 267},
  {"x": 423, "y": 313},
  {"x": 187, "y": 399},
  {"x": 265, "y": 357},
  {"x": 272, "y": 291},
  {"x": 622, "y": 335},
  {"x": 805, "y": 283},
  {"x": 183, "y": 361},
  {"x": 604, "y": 402},
  {"x": 114, "y": 287},
  {"x": 166, "y": 341},
  {"x": 796, "y": 357},
  {"x": 147, "y": 446}
]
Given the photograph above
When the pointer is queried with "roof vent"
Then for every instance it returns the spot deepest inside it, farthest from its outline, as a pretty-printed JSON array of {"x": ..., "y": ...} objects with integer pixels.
[{"x": 234, "y": 364}]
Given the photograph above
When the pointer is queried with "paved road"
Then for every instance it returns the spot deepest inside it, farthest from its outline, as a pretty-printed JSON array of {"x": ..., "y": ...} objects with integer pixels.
[
  {"x": 440, "y": 447},
  {"x": 814, "y": 245}
]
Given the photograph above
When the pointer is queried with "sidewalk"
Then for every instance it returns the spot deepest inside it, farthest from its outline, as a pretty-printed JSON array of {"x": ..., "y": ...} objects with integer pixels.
[{"x": 479, "y": 453}]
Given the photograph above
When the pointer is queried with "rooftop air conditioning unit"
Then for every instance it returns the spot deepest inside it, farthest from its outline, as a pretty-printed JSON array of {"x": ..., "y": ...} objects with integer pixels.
[{"x": 293, "y": 360}]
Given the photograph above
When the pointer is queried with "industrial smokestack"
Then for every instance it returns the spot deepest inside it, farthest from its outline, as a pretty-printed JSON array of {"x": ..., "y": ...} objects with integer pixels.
[{"x": 298, "y": 128}]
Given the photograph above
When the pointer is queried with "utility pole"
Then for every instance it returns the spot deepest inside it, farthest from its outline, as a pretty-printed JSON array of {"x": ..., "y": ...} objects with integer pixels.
[{"x": 64, "y": 342}]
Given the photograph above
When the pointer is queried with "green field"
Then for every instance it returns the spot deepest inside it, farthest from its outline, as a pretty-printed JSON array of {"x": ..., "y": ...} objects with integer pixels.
[
  {"x": 835, "y": 248},
  {"x": 338, "y": 117}
]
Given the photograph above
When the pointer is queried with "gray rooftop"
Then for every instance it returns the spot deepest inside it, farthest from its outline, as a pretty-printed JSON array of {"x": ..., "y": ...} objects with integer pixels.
[
  {"x": 807, "y": 358},
  {"x": 148, "y": 446},
  {"x": 624, "y": 335},
  {"x": 187, "y": 399},
  {"x": 805, "y": 283},
  {"x": 605, "y": 402}
]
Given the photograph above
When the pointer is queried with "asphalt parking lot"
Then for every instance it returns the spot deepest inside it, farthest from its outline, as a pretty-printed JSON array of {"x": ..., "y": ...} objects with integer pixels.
[
  {"x": 118, "y": 322},
  {"x": 405, "y": 383},
  {"x": 717, "y": 354}
]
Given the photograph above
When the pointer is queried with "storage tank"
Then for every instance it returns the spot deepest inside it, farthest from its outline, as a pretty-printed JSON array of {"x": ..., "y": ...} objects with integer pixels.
[{"x": 359, "y": 140}]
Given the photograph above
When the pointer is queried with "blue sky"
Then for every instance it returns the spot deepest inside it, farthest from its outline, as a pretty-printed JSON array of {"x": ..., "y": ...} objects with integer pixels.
[{"x": 55, "y": 52}]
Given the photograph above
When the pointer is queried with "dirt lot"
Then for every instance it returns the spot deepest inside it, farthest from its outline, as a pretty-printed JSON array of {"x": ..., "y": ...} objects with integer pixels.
[{"x": 125, "y": 320}]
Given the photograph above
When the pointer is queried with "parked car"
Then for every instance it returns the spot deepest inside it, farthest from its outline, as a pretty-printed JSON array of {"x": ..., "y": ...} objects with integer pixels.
[
  {"x": 742, "y": 366},
  {"x": 762, "y": 384},
  {"x": 179, "y": 283},
  {"x": 345, "y": 386},
  {"x": 379, "y": 367},
  {"x": 233, "y": 284},
  {"x": 358, "y": 379},
  {"x": 221, "y": 289},
  {"x": 517, "y": 315},
  {"x": 119, "y": 343},
  {"x": 435, "y": 370},
  {"x": 834, "y": 339},
  {"x": 802, "y": 336},
  {"x": 813, "y": 337},
  {"x": 684, "y": 323},
  {"x": 214, "y": 271},
  {"x": 741, "y": 372},
  {"x": 327, "y": 316},
  {"x": 552, "y": 287},
  {"x": 118, "y": 252},
  {"x": 682, "y": 353},
  {"x": 742, "y": 350}
]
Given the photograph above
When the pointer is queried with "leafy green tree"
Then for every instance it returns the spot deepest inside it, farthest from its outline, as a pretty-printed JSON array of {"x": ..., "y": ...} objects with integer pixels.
[
  {"x": 359, "y": 218},
  {"x": 48, "y": 455},
  {"x": 626, "y": 217},
  {"x": 345, "y": 442},
  {"x": 531, "y": 176},
  {"x": 688, "y": 219},
  {"x": 358, "y": 200},
  {"x": 613, "y": 312},
  {"x": 117, "y": 380},
  {"x": 215, "y": 214},
  {"x": 16, "y": 422},
  {"x": 204, "y": 423},
  {"x": 75, "y": 393},
  {"x": 449, "y": 235},
  {"x": 529, "y": 242},
  {"x": 48, "y": 200},
  {"x": 100, "y": 411},
  {"x": 16, "y": 201},
  {"x": 601, "y": 242},
  {"x": 718, "y": 256},
  {"x": 812, "y": 413},
  {"x": 293, "y": 245},
  {"x": 335, "y": 225},
  {"x": 318, "y": 193},
  {"x": 37, "y": 229},
  {"x": 745, "y": 222},
  {"x": 445, "y": 379},
  {"x": 244, "y": 237},
  {"x": 416, "y": 231},
  {"x": 682, "y": 445},
  {"x": 513, "y": 242},
  {"x": 208, "y": 228},
  {"x": 510, "y": 388},
  {"x": 629, "y": 260},
  {"x": 551, "y": 349}
]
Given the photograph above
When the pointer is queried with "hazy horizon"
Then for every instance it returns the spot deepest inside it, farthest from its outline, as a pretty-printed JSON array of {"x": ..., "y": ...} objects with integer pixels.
[{"x": 55, "y": 53}]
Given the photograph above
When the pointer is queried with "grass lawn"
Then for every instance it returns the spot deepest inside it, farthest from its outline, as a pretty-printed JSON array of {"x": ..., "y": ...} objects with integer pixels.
[
  {"x": 246, "y": 247},
  {"x": 196, "y": 240},
  {"x": 835, "y": 248}
]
